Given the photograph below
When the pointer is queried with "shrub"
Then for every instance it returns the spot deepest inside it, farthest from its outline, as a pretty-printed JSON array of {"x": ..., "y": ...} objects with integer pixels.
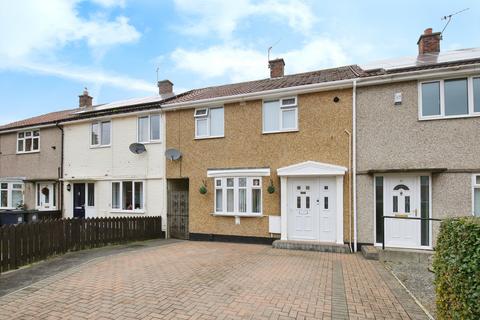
[{"x": 457, "y": 269}]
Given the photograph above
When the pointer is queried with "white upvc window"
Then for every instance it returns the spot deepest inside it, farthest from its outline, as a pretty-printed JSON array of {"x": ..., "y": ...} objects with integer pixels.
[
  {"x": 128, "y": 196},
  {"x": 476, "y": 195},
  {"x": 209, "y": 123},
  {"x": 11, "y": 194},
  {"x": 238, "y": 196},
  {"x": 28, "y": 141},
  {"x": 100, "y": 134},
  {"x": 280, "y": 115},
  {"x": 449, "y": 98},
  {"x": 149, "y": 128}
]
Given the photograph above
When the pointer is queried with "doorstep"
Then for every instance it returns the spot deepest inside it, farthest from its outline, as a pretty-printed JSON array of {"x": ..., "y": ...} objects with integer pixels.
[
  {"x": 311, "y": 246},
  {"x": 405, "y": 255}
]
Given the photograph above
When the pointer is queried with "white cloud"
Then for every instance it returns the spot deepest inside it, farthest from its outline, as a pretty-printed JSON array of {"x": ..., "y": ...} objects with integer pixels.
[
  {"x": 239, "y": 64},
  {"x": 110, "y": 3},
  {"x": 223, "y": 17}
]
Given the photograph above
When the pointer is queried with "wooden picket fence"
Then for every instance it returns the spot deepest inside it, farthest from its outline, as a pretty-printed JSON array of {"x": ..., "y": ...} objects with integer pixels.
[{"x": 23, "y": 244}]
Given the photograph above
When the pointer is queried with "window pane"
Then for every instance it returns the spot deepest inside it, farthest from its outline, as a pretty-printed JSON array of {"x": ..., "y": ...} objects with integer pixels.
[
  {"x": 94, "y": 134},
  {"x": 216, "y": 122},
  {"x": 271, "y": 116},
  {"x": 46, "y": 194},
  {"x": 4, "y": 199},
  {"x": 395, "y": 204},
  {"x": 299, "y": 202},
  {"x": 38, "y": 195},
  {"x": 476, "y": 201},
  {"x": 325, "y": 203},
  {"x": 155, "y": 127},
  {"x": 4, "y": 185},
  {"x": 379, "y": 208},
  {"x": 456, "y": 97},
  {"x": 288, "y": 119},
  {"x": 424, "y": 210},
  {"x": 407, "y": 204},
  {"x": 21, "y": 135},
  {"x": 116, "y": 195},
  {"x": 218, "y": 200},
  {"x": 138, "y": 195},
  {"x": 431, "y": 99},
  {"x": 143, "y": 129},
  {"x": 54, "y": 194},
  {"x": 202, "y": 129},
  {"x": 476, "y": 94},
  {"x": 256, "y": 201},
  {"x": 28, "y": 134},
  {"x": 28, "y": 144},
  {"x": 36, "y": 133},
  {"x": 17, "y": 198},
  {"x": 230, "y": 182},
  {"x": 35, "y": 144},
  {"x": 20, "y": 145},
  {"x": 218, "y": 182},
  {"x": 91, "y": 194},
  {"x": 242, "y": 200},
  {"x": 230, "y": 206},
  {"x": 127, "y": 195},
  {"x": 242, "y": 182},
  {"x": 105, "y": 133},
  {"x": 307, "y": 202}
]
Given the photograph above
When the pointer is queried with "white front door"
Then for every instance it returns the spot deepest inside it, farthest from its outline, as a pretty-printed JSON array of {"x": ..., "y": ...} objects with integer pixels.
[
  {"x": 328, "y": 209},
  {"x": 46, "y": 196},
  {"x": 303, "y": 209},
  {"x": 402, "y": 200}
]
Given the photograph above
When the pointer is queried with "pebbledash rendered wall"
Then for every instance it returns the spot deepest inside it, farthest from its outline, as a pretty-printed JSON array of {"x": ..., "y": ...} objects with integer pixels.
[
  {"x": 392, "y": 137},
  {"x": 321, "y": 137},
  {"x": 34, "y": 167},
  {"x": 102, "y": 165}
]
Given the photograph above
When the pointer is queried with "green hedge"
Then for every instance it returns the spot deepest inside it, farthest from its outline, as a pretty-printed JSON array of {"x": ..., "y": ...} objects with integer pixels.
[{"x": 457, "y": 269}]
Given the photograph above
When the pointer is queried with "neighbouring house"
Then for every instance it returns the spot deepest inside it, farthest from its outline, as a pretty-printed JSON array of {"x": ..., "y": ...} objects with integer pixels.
[
  {"x": 262, "y": 160},
  {"x": 31, "y": 164},
  {"x": 417, "y": 150},
  {"x": 114, "y": 162}
]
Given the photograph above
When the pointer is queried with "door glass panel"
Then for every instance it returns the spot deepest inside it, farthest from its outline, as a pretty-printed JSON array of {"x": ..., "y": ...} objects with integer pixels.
[
  {"x": 299, "y": 202},
  {"x": 395, "y": 204},
  {"x": 46, "y": 194},
  {"x": 407, "y": 204},
  {"x": 456, "y": 97},
  {"x": 307, "y": 202},
  {"x": 425, "y": 210},
  {"x": 325, "y": 203}
]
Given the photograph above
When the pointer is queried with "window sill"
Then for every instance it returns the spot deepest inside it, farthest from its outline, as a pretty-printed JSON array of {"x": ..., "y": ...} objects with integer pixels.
[
  {"x": 427, "y": 118},
  {"x": 150, "y": 142},
  {"x": 100, "y": 147},
  {"x": 28, "y": 152},
  {"x": 241, "y": 215},
  {"x": 210, "y": 137},
  {"x": 280, "y": 131},
  {"x": 128, "y": 211}
]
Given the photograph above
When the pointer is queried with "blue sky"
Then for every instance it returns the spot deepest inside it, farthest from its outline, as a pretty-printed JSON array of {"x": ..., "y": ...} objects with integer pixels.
[{"x": 50, "y": 50}]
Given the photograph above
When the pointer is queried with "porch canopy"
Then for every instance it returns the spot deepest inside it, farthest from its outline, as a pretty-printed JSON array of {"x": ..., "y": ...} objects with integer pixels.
[{"x": 311, "y": 168}]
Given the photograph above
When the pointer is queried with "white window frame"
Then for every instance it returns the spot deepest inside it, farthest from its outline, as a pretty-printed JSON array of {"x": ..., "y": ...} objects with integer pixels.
[
  {"x": 249, "y": 212},
  {"x": 150, "y": 140},
  {"x": 100, "y": 144},
  {"x": 10, "y": 190},
  {"x": 470, "y": 99},
  {"x": 207, "y": 116},
  {"x": 32, "y": 132},
  {"x": 283, "y": 108},
  {"x": 121, "y": 210},
  {"x": 474, "y": 186}
]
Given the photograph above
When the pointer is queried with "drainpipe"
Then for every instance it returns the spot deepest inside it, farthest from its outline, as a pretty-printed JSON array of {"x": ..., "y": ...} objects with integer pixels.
[
  {"x": 349, "y": 134},
  {"x": 60, "y": 193},
  {"x": 354, "y": 162}
]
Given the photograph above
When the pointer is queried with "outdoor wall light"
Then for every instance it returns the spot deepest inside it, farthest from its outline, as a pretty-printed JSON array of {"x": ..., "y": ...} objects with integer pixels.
[
  {"x": 336, "y": 99},
  {"x": 69, "y": 187}
]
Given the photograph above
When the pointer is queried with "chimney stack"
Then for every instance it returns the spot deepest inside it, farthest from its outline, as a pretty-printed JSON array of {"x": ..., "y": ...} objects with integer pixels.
[
  {"x": 84, "y": 100},
  {"x": 429, "y": 42},
  {"x": 276, "y": 68},
  {"x": 165, "y": 89}
]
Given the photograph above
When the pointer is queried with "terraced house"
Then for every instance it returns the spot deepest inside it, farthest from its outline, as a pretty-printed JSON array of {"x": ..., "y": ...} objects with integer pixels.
[
  {"x": 418, "y": 151},
  {"x": 263, "y": 160}
]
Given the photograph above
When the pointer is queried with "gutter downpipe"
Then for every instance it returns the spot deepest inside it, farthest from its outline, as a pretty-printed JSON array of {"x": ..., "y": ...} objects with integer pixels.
[
  {"x": 349, "y": 134},
  {"x": 354, "y": 162},
  {"x": 61, "y": 169}
]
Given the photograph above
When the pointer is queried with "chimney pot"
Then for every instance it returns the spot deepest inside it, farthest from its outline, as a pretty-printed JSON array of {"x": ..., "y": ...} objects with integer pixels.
[
  {"x": 84, "y": 100},
  {"x": 277, "y": 67},
  {"x": 429, "y": 42},
  {"x": 165, "y": 89}
]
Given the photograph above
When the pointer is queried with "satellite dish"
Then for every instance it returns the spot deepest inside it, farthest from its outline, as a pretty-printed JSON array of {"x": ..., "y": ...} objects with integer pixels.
[
  {"x": 137, "y": 148},
  {"x": 173, "y": 154}
]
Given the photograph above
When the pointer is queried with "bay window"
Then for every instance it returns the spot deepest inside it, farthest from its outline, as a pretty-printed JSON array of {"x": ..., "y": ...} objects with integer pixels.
[
  {"x": 128, "y": 196},
  {"x": 11, "y": 195},
  {"x": 209, "y": 122},
  {"x": 28, "y": 141},
  {"x": 280, "y": 115},
  {"x": 238, "y": 196},
  {"x": 458, "y": 97},
  {"x": 149, "y": 128},
  {"x": 100, "y": 134}
]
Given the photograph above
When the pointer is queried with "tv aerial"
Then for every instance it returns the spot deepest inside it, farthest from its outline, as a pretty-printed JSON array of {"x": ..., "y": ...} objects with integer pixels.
[{"x": 449, "y": 18}]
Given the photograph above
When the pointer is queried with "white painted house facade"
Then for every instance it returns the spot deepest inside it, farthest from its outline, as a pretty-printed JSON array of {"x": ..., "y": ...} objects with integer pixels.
[{"x": 103, "y": 177}]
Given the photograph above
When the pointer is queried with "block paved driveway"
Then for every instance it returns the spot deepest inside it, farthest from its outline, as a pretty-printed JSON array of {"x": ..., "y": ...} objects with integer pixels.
[{"x": 205, "y": 280}]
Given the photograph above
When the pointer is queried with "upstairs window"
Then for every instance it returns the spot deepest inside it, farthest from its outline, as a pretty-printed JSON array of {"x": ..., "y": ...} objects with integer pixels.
[
  {"x": 100, "y": 134},
  {"x": 209, "y": 123},
  {"x": 280, "y": 115},
  {"x": 28, "y": 141},
  {"x": 149, "y": 128},
  {"x": 459, "y": 97}
]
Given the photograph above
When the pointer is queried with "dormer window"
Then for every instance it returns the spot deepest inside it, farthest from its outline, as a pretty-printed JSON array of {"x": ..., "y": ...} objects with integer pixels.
[{"x": 28, "y": 141}]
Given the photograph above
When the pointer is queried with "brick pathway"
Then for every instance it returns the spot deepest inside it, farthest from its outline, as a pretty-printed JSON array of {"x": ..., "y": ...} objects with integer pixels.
[{"x": 202, "y": 280}]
